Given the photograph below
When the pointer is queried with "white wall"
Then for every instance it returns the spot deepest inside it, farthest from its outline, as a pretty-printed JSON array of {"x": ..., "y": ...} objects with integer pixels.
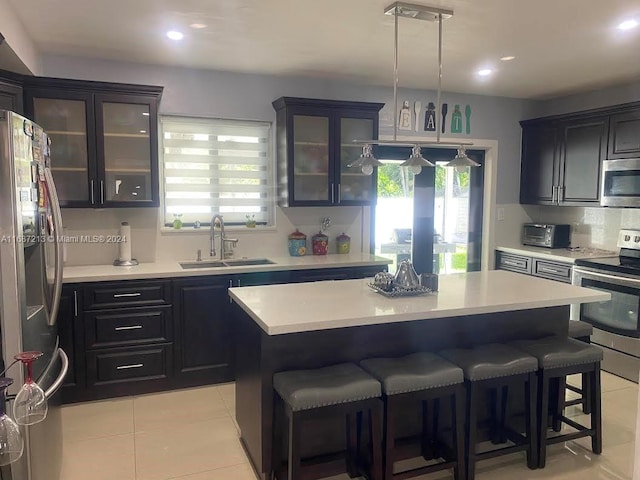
[{"x": 17, "y": 38}]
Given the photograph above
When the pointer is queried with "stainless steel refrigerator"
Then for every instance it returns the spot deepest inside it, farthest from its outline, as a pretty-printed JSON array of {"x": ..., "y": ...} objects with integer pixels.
[{"x": 30, "y": 285}]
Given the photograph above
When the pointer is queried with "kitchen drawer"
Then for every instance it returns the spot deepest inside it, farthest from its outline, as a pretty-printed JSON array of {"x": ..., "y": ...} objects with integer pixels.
[
  {"x": 552, "y": 270},
  {"x": 112, "y": 328},
  {"x": 514, "y": 263},
  {"x": 128, "y": 364},
  {"x": 128, "y": 293}
]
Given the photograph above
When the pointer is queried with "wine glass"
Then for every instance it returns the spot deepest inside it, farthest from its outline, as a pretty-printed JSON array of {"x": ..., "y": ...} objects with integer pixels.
[
  {"x": 30, "y": 405},
  {"x": 11, "y": 444}
]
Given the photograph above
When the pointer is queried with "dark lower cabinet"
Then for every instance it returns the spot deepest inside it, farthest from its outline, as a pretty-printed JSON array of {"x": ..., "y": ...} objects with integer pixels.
[
  {"x": 141, "y": 336},
  {"x": 203, "y": 330},
  {"x": 549, "y": 269},
  {"x": 69, "y": 333}
]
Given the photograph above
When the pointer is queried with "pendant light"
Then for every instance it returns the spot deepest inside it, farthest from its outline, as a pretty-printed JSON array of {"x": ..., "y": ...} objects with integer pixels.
[{"x": 416, "y": 161}]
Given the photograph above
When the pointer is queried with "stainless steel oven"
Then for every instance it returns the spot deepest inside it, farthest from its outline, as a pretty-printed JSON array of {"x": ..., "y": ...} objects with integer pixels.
[
  {"x": 620, "y": 185},
  {"x": 616, "y": 322}
]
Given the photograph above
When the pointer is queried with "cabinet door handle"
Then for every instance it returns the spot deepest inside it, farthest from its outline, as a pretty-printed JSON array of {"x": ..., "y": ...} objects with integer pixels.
[
  {"x": 101, "y": 191},
  {"x": 230, "y": 283},
  {"x": 553, "y": 193},
  {"x": 238, "y": 282},
  {"x": 128, "y": 327},
  {"x": 560, "y": 194},
  {"x": 133, "y": 365},
  {"x": 120, "y": 295},
  {"x": 333, "y": 193},
  {"x": 75, "y": 303},
  {"x": 92, "y": 193},
  {"x": 339, "y": 192},
  {"x": 513, "y": 263}
]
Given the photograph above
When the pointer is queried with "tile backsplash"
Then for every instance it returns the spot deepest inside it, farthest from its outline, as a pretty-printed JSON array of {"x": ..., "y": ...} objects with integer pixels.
[{"x": 150, "y": 243}]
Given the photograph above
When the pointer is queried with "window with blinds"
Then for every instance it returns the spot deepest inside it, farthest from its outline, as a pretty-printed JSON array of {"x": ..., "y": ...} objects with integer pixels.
[{"x": 217, "y": 166}]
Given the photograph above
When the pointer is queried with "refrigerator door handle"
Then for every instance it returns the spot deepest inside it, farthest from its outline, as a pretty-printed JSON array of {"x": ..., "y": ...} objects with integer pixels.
[
  {"x": 55, "y": 386},
  {"x": 57, "y": 233}
]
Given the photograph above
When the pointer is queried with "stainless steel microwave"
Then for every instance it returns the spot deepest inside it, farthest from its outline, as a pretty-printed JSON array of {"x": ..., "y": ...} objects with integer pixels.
[
  {"x": 620, "y": 185},
  {"x": 546, "y": 235}
]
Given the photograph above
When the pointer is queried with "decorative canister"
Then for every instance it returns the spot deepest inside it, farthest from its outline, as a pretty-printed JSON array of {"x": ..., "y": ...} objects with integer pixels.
[
  {"x": 320, "y": 243},
  {"x": 344, "y": 243},
  {"x": 297, "y": 244}
]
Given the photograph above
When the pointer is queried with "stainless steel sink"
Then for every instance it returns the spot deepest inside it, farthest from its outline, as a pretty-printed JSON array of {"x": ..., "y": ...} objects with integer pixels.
[
  {"x": 227, "y": 263},
  {"x": 202, "y": 264},
  {"x": 248, "y": 261}
]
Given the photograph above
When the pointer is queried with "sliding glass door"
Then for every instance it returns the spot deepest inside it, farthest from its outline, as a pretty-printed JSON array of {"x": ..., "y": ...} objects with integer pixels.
[{"x": 433, "y": 219}]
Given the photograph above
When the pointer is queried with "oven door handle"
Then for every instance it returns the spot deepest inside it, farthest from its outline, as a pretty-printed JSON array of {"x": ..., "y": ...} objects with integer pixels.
[{"x": 604, "y": 276}]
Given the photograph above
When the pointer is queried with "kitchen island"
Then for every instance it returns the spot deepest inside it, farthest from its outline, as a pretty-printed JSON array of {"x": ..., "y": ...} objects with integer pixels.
[{"x": 293, "y": 326}]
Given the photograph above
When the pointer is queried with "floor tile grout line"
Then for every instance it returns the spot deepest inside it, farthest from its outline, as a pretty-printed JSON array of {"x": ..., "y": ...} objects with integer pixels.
[{"x": 209, "y": 470}]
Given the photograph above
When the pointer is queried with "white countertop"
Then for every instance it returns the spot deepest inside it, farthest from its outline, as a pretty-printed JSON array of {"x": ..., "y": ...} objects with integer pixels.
[
  {"x": 100, "y": 273},
  {"x": 555, "y": 254},
  {"x": 302, "y": 307}
]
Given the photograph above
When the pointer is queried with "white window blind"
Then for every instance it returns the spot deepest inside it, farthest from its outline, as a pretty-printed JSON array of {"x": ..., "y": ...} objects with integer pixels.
[{"x": 217, "y": 166}]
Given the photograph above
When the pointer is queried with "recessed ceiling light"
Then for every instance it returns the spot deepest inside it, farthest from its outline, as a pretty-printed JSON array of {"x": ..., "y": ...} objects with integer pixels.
[
  {"x": 175, "y": 35},
  {"x": 507, "y": 58},
  {"x": 485, "y": 72},
  {"x": 628, "y": 24},
  {"x": 198, "y": 26}
]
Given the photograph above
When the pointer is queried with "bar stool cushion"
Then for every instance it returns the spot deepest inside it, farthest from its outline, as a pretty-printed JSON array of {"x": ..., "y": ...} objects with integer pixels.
[
  {"x": 579, "y": 329},
  {"x": 321, "y": 387},
  {"x": 558, "y": 352},
  {"x": 493, "y": 360},
  {"x": 415, "y": 372}
]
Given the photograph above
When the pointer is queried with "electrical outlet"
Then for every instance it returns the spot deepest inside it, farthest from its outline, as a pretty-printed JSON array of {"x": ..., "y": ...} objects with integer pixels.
[{"x": 501, "y": 214}]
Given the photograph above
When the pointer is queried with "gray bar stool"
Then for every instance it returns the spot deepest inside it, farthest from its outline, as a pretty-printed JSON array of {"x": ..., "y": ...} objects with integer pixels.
[
  {"x": 581, "y": 331},
  {"x": 496, "y": 366},
  {"x": 339, "y": 390},
  {"x": 557, "y": 358},
  {"x": 421, "y": 377}
]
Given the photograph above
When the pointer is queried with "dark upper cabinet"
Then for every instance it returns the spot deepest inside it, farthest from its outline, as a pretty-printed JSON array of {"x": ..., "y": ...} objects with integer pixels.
[
  {"x": 315, "y": 146},
  {"x": 562, "y": 159},
  {"x": 10, "y": 95},
  {"x": 624, "y": 135},
  {"x": 582, "y": 148},
  {"x": 539, "y": 172},
  {"x": 104, "y": 140}
]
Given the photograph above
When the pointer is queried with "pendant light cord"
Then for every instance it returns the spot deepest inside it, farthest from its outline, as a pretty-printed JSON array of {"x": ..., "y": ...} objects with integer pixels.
[
  {"x": 438, "y": 112},
  {"x": 395, "y": 77}
]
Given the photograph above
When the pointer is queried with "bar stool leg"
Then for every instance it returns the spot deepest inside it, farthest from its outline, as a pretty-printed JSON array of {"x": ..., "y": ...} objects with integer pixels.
[
  {"x": 558, "y": 411},
  {"x": 472, "y": 420},
  {"x": 543, "y": 415},
  {"x": 351, "y": 441},
  {"x": 426, "y": 447},
  {"x": 503, "y": 414},
  {"x": 389, "y": 437},
  {"x": 375, "y": 429},
  {"x": 596, "y": 409},
  {"x": 531, "y": 429},
  {"x": 586, "y": 393},
  {"x": 457, "y": 427},
  {"x": 295, "y": 431}
]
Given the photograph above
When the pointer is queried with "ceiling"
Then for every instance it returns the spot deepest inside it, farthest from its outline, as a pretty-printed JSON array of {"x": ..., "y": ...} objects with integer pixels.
[{"x": 561, "y": 46}]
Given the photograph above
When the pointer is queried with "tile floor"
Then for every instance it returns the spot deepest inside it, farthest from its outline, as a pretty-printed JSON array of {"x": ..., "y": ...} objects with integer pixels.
[{"x": 191, "y": 435}]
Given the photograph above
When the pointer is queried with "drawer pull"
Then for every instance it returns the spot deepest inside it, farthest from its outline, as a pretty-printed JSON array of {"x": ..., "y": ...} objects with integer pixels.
[
  {"x": 513, "y": 263},
  {"x": 120, "y": 295},
  {"x": 128, "y": 327},
  {"x": 549, "y": 270},
  {"x": 133, "y": 365}
]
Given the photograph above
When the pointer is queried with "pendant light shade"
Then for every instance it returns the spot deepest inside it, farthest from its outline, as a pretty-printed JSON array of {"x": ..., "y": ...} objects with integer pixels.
[
  {"x": 462, "y": 160},
  {"x": 416, "y": 161},
  {"x": 366, "y": 162}
]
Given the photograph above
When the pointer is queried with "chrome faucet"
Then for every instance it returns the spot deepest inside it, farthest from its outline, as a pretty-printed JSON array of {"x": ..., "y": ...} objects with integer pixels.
[{"x": 224, "y": 241}]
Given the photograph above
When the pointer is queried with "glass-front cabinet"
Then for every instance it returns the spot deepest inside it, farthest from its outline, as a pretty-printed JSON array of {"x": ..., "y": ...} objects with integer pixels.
[
  {"x": 315, "y": 145},
  {"x": 104, "y": 140}
]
